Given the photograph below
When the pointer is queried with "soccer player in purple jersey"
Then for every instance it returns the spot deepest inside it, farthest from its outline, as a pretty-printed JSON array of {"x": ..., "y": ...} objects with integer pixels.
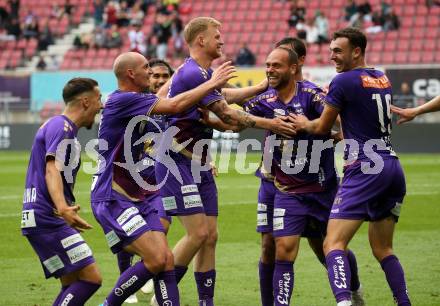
[
  {"x": 362, "y": 97},
  {"x": 50, "y": 219},
  {"x": 161, "y": 72},
  {"x": 195, "y": 201},
  {"x": 408, "y": 114},
  {"x": 117, "y": 195}
]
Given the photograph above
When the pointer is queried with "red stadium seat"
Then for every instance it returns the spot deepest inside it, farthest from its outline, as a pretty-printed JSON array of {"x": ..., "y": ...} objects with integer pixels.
[
  {"x": 243, "y": 5},
  {"x": 403, "y": 45},
  {"x": 401, "y": 57},
  {"x": 422, "y": 10},
  {"x": 405, "y": 34},
  {"x": 251, "y": 16},
  {"x": 428, "y": 57},
  {"x": 420, "y": 21},
  {"x": 433, "y": 33},
  {"x": 433, "y": 22},
  {"x": 406, "y": 22},
  {"x": 232, "y": 5},
  {"x": 414, "y": 57},
  {"x": 266, "y": 5},
  {"x": 390, "y": 45},
  {"x": 255, "y": 5},
  {"x": 437, "y": 56},
  {"x": 387, "y": 58},
  {"x": 376, "y": 46},
  {"x": 409, "y": 11},
  {"x": 418, "y": 33},
  {"x": 430, "y": 45},
  {"x": 416, "y": 45}
]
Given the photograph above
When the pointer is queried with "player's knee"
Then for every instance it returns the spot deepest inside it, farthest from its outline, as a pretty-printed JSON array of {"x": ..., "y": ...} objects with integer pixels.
[
  {"x": 381, "y": 252},
  {"x": 267, "y": 251},
  {"x": 199, "y": 236},
  {"x": 285, "y": 250},
  {"x": 157, "y": 262},
  {"x": 212, "y": 238}
]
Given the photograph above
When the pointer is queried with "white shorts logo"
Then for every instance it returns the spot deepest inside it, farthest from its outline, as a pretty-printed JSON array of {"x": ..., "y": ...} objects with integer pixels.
[
  {"x": 28, "y": 219},
  {"x": 169, "y": 203},
  {"x": 192, "y": 201},
  {"x": 127, "y": 214},
  {"x": 262, "y": 207},
  {"x": 53, "y": 263},
  {"x": 278, "y": 223},
  {"x": 396, "y": 209},
  {"x": 71, "y": 240},
  {"x": 79, "y": 253},
  {"x": 134, "y": 224},
  {"x": 189, "y": 188},
  {"x": 112, "y": 238},
  {"x": 262, "y": 219},
  {"x": 279, "y": 212}
]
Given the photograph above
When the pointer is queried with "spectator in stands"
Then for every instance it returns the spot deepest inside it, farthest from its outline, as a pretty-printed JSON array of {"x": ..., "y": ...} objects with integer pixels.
[
  {"x": 68, "y": 11},
  {"x": 56, "y": 12},
  {"x": 41, "y": 65},
  {"x": 31, "y": 29},
  {"x": 431, "y": 3},
  {"x": 113, "y": 38},
  {"x": 98, "y": 7},
  {"x": 14, "y": 8},
  {"x": 405, "y": 98},
  {"x": 350, "y": 10},
  {"x": 123, "y": 15},
  {"x": 391, "y": 21},
  {"x": 321, "y": 24},
  {"x": 385, "y": 7},
  {"x": 377, "y": 20},
  {"x": 4, "y": 17},
  {"x": 99, "y": 37},
  {"x": 110, "y": 14},
  {"x": 364, "y": 10},
  {"x": 137, "y": 39},
  {"x": 136, "y": 15},
  {"x": 45, "y": 38},
  {"x": 245, "y": 57},
  {"x": 162, "y": 31},
  {"x": 14, "y": 28},
  {"x": 297, "y": 13}
]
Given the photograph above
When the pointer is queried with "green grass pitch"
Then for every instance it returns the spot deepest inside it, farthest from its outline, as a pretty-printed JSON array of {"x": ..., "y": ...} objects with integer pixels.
[{"x": 417, "y": 243}]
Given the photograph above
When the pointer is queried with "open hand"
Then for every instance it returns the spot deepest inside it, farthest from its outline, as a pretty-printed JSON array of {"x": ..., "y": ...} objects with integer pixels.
[
  {"x": 405, "y": 114},
  {"x": 223, "y": 74},
  {"x": 70, "y": 215}
]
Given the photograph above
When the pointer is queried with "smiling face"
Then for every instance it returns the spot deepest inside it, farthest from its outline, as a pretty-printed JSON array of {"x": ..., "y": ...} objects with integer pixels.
[
  {"x": 343, "y": 54},
  {"x": 212, "y": 41},
  {"x": 278, "y": 70},
  {"x": 159, "y": 76}
]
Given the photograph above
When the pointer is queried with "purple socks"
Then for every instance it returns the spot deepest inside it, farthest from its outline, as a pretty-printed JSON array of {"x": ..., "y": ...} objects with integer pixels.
[
  {"x": 77, "y": 293},
  {"x": 354, "y": 283},
  {"x": 128, "y": 283},
  {"x": 205, "y": 286},
  {"x": 165, "y": 288},
  {"x": 124, "y": 261},
  {"x": 283, "y": 282},
  {"x": 339, "y": 275},
  {"x": 396, "y": 279},
  {"x": 266, "y": 278}
]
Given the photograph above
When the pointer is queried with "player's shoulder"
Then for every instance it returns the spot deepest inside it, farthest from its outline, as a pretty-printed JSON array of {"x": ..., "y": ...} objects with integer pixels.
[
  {"x": 58, "y": 122},
  {"x": 307, "y": 86},
  {"x": 270, "y": 95}
]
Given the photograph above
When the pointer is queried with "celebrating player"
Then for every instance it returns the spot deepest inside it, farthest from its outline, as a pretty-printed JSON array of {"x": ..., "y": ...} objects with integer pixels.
[
  {"x": 50, "y": 219},
  {"x": 408, "y": 114},
  {"x": 362, "y": 97},
  {"x": 195, "y": 201},
  {"x": 161, "y": 72},
  {"x": 116, "y": 194}
]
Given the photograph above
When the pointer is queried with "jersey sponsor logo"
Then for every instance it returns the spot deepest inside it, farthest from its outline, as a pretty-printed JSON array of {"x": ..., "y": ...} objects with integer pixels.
[
  {"x": 279, "y": 212},
  {"x": 371, "y": 82},
  {"x": 278, "y": 224},
  {"x": 112, "y": 238},
  {"x": 30, "y": 195},
  {"x": 134, "y": 224},
  {"x": 189, "y": 188},
  {"x": 28, "y": 218},
  {"x": 279, "y": 112},
  {"x": 67, "y": 299},
  {"x": 127, "y": 214},
  {"x": 53, "y": 264},
  {"x": 284, "y": 289},
  {"x": 79, "y": 253},
  {"x": 192, "y": 201},
  {"x": 262, "y": 207},
  {"x": 262, "y": 219},
  {"x": 169, "y": 203},
  {"x": 71, "y": 240}
]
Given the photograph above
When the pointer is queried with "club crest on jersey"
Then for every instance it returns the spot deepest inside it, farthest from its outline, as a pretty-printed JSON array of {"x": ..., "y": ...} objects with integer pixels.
[{"x": 279, "y": 112}]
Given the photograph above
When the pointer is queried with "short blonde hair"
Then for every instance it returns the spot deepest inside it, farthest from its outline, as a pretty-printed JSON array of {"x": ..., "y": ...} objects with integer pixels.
[{"x": 197, "y": 26}]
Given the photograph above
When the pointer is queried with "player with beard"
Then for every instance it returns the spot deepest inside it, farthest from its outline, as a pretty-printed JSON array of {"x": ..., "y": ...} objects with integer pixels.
[
  {"x": 362, "y": 97},
  {"x": 194, "y": 200},
  {"x": 50, "y": 219}
]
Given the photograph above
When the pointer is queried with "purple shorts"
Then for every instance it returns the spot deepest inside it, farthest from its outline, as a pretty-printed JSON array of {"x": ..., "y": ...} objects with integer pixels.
[
  {"x": 304, "y": 214},
  {"x": 61, "y": 251},
  {"x": 188, "y": 197},
  {"x": 124, "y": 221},
  {"x": 266, "y": 196},
  {"x": 155, "y": 200},
  {"x": 370, "y": 197}
]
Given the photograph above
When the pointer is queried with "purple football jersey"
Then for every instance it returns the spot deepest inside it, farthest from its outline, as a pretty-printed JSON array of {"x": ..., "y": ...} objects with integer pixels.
[
  {"x": 114, "y": 181},
  {"x": 363, "y": 97},
  {"x": 56, "y": 138},
  {"x": 311, "y": 178},
  {"x": 189, "y": 76}
]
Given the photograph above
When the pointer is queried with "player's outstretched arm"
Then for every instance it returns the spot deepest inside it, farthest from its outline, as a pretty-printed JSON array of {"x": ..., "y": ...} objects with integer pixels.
[
  {"x": 242, "y": 120},
  {"x": 408, "y": 114},
  {"x": 240, "y": 95},
  {"x": 54, "y": 184},
  {"x": 190, "y": 98},
  {"x": 320, "y": 126}
]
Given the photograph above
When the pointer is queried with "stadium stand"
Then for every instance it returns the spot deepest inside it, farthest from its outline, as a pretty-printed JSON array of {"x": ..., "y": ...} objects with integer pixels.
[{"x": 259, "y": 23}]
